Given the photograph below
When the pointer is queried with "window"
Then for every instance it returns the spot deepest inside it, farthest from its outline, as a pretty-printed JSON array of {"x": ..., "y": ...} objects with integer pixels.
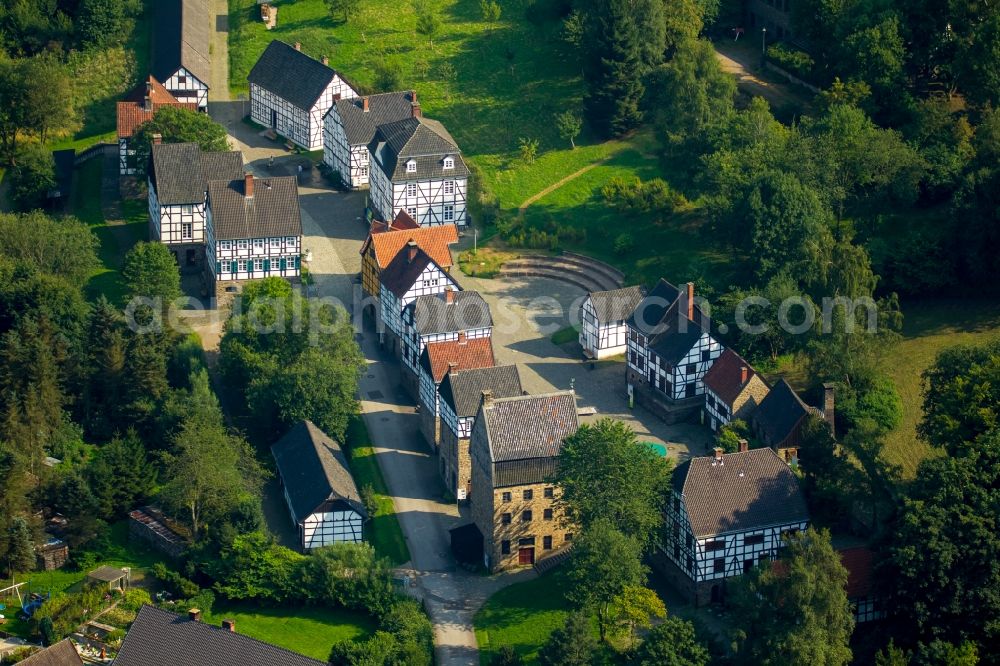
[
  {"x": 258, "y": 244},
  {"x": 753, "y": 539},
  {"x": 187, "y": 231},
  {"x": 187, "y": 209},
  {"x": 258, "y": 264},
  {"x": 505, "y": 547},
  {"x": 242, "y": 244},
  {"x": 569, "y": 536},
  {"x": 526, "y": 541},
  {"x": 506, "y": 497},
  {"x": 291, "y": 241},
  {"x": 677, "y": 504},
  {"x": 243, "y": 265},
  {"x": 710, "y": 401},
  {"x": 505, "y": 519},
  {"x": 712, "y": 546},
  {"x": 706, "y": 356},
  {"x": 526, "y": 516},
  {"x": 690, "y": 563},
  {"x": 275, "y": 243},
  {"x": 181, "y": 80},
  {"x": 690, "y": 369},
  {"x": 546, "y": 543},
  {"x": 676, "y": 530},
  {"x": 547, "y": 514},
  {"x": 528, "y": 494},
  {"x": 719, "y": 565},
  {"x": 412, "y": 212},
  {"x": 449, "y": 163},
  {"x": 747, "y": 565},
  {"x": 363, "y": 171},
  {"x": 449, "y": 213},
  {"x": 411, "y": 167},
  {"x": 225, "y": 245},
  {"x": 449, "y": 187},
  {"x": 549, "y": 493},
  {"x": 411, "y": 189}
]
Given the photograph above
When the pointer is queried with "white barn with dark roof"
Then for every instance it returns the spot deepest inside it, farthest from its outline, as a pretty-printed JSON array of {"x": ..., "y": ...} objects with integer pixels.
[
  {"x": 180, "y": 49},
  {"x": 350, "y": 125},
  {"x": 603, "y": 332},
  {"x": 322, "y": 496},
  {"x": 416, "y": 166},
  {"x": 291, "y": 92},
  {"x": 727, "y": 513}
]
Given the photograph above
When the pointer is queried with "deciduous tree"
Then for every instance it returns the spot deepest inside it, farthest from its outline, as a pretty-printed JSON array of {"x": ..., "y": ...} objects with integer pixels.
[
  {"x": 569, "y": 125},
  {"x": 572, "y": 644},
  {"x": 672, "y": 643},
  {"x": 177, "y": 125}
]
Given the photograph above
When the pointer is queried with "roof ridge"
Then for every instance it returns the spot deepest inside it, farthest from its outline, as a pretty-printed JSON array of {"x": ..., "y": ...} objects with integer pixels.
[{"x": 548, "y": 394}]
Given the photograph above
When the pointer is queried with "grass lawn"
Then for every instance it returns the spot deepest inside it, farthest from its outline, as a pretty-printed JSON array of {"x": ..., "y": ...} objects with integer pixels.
[
  {"x": 382, "y": 531},
  {"x": 928, "y": 328},
  {"x": 306, "y": 630},
  {"x": 484, "y": 262}
]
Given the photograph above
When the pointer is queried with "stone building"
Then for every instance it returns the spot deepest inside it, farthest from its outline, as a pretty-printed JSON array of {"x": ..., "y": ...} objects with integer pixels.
[{"x": 733, "y": 390}]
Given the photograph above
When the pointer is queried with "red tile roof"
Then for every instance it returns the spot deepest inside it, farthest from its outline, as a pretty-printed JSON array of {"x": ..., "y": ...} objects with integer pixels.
[
  {"x": 432, "y": 240},
  {"x": 132, "y": 111},
  {"x": 465, "y": 354},
  {"x": 402, "y": 221},
  {"x": 725, "y": 377},
  {"x": 859, "y": 564}
]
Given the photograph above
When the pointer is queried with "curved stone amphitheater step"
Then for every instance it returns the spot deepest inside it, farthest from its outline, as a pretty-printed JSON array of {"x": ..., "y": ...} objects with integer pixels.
[
  {"x": 585, "y": 276},
  {"x": 551, "y": 274},
  {"x": 615, "y": 275}
]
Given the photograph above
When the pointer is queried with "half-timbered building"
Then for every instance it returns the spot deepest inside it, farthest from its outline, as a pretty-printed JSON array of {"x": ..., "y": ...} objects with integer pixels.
[
  {"x": 412, "y": 273},
  {"x": 178, "y": 184},
  {"x": 181, "y": 49},
  {"x": 385, "y": 240},
  {"x": 861, "y": 593},
  {"x": 255, "y": 230},
  {"x": 138, "y": 107},
  {"x": 670, "y": 348},
  {"x": 319, "y": 489},
  {"x": 726, "y": 514},
  {"x": 515, "y": 448},
  {"x": 291, "y": 92},
  {"x": 446, "y": 316},
  {"x": 779, "y": 420},
  {"x": 417, "y": 166},
  {"x": 733, "y": 390},
  {"x": 438, "y": 359},
  {"x": 603, "y": 332},
  {"x": 461, "y": 394},
  {"x": 349, "y": 126}
]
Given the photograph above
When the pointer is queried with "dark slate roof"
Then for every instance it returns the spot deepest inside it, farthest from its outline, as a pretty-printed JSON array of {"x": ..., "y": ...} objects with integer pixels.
[
  {"x": 181, "y": 38},
  {"x": 725, "y": 376},
  {"x": 421, "y": 139},
  {"x": 676, "y": 335},
  {"x": 314, "y": 470},
  {"x": 651, "y": 309},
  {"x": 749, "y": 490},
  {"x": 360, "y": 126},
  {"x": 62, "y": 653},
  {"x": 617, "y": 304},
  {"x": 522, "y": 472},
  {"x": 463, "y": 390},
  {"x": 291, "y": 74},
  {"x": 273, "y": 210},
  {"x": 180, "y": 171},
  {"x": 402, "y": 271},
  {"x": 433, "y": 314},
  {"x": 778, "y": 414},
  {"x": 530, "y": 426},
  {"x": 158, "y": 638}
]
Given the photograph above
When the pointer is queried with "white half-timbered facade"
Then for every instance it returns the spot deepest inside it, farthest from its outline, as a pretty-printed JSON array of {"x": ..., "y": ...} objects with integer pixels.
[
  {"x": 291, "y": 93},
  {"x": 410, "y": 275},
  {"x": 350, "y": 125},
  {"x": 320, "y": 491},
  {"x": 437, "y": 360},
  {"x": 728, "y": 513},
  {"x": 447, "y": 316},
  {"x": 181, "y": 49},
  {"x": 603, "y": 332},
  {"x": 254, "y": 229},
  {"x": 417, "y": 167},
  {"x": 139, "y": 106}
]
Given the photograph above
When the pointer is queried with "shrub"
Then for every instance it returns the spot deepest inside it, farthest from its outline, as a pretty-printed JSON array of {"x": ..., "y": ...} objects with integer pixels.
[
  {"x": 177, "y": 584},
  {"x": 368, "y": 500},
  {"x": 528, "y": 149},
  {"x": 624, "y": 244},
  {"x": 388, "y": 75},
  {"x": 634, "y": 195},
  {"x": 31, "y": 177},
  {"x": 795, "y": 61},
  {"x": 134, "y": 599}
]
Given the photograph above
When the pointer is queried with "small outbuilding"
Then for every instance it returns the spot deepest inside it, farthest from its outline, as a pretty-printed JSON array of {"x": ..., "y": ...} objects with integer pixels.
[
  {"x": 116, "y": 578},
  {"x": 322, "y": 496},
  {"x": 149, "y": 524}
]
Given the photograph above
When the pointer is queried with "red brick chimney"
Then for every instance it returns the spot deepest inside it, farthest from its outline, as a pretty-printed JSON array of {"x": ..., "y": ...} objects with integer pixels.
[
  {"x": 744, "y": 373},
  {"x": 248, "y": 185},
  {"x": 744, "y": 445},
  {"x": 461, "y": 338},
  {"x": 229, "y": 625},
  {"x": 157, "y": 139},
  {"x": 718, "y": 455},
  {"x": 298, "y": 46},
  {"x": 829, "y": 406},
  {"x": 411, "y": 251},
  {"x": 415, "y": 110},
  {"x": 325, "y": 61},
  {"x": 452, "y": 366},
  {"x": 364, "y": 104},
  {"x": 449, "y": 295},
  {"x": 194, "y": 615},
  {"x": 413, "y": 96},
  {"x": 690, "y": 300}
]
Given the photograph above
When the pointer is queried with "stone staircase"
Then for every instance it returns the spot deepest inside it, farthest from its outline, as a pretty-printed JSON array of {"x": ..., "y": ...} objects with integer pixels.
[
  {"x": 549, "y": 563},
  {"x": 580, "y": 271}
]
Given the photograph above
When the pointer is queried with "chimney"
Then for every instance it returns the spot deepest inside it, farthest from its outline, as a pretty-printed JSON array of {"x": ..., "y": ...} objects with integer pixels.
[
  {"x": 452, "y": 366},
  {"x": 364, "y": 103},
  {"x": 718, "y": 456},
  {"x": 413, "y": 96},
  {"x": 325, "y": 61},
  {"x": 229, "y": 625},
  {"x": 411, "y": 251},
  {"x": 690, "y": 300},
  {"x": 829, "y": 406},
  {"x": 415, "y": 110},
  {"x": 194, "y": 615},
  {"x": 298, "y": 46},
  {"x": 487, "y": 398},
  {"x": 157, "y": 139},
  {"x": 744, "y": 373},
  {"x": 248, "y": 185},
  {"x": 461, "y": 338},
  {"x": 449, "y": 295},
  {"x": 147, "y": 103},
  {"x": 744, "y": 446}
]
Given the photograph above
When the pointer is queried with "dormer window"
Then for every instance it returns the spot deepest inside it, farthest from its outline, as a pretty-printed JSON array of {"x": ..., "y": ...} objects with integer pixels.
[
  {"x": 411, "y": 166},
  {"x": 449, "y": 162}
]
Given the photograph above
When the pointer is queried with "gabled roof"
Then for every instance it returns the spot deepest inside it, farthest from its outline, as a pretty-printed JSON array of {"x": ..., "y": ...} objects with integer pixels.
[
  {"x": 180, "y": 171},
  {"x": 360, "y": 125},
  {"x": 272, "y": 211},
  {"x": 748, "y": 490},
  {"x": 438, "y": 357},
  {"x": 314, "y": 471},
  {"x": 422, "y": 140},
  {"x": 157, "y": 638},
  {"x": 651, "y": 308},
  {"x": 401, "y": 222},
  {"x": 132, "y": 112},
  {"x": 778, "y": 414},
  {"x": 291, "y": 74},
  {"x": 434, "y": 314},
  {"x": 676, "y": 334},
  {"x": 181, "y": 39},
  {"x": 859, "y": 563},
  {"x": 617, "y": 304},
  {"x": 463, "y": 390},
  {"x": 435, "y": 241},
  {"x": 404, "y": 270},
  {"x": 725, "y": 377},
  {"x": 62, "y": 653},
  {"x": 529, "y": 426}
]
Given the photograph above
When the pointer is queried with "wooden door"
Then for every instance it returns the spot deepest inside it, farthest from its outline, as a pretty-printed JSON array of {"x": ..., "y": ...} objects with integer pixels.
[
  {"x": 525, "y": 555},
  {"x": 274, "y": 119}
]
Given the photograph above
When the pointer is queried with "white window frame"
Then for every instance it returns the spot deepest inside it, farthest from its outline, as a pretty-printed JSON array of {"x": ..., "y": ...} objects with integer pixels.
[
  {"x": 412, "y": 212},
  {"x": 411, "y": 166},
  {"x": 225, "y": 245},
  {"x": 187, "y": 231},
  {"x": 242, "y": 244},
  {"x": 449, "y": 187},
  {"x": 411, "y": 189},
  {"x": 363, "y": 170},
  {"x": 258, "y": 244},
  {"x": 449, "y": 213},
  {"x": 275, "y": 243},
  {"x": 449, "y": 163},
  {"x": 187, "y": 209},
  {"x": 241, "y": 265},
  {"x": 258, "y": 264},
  {"x": 290, "y": 241}
]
